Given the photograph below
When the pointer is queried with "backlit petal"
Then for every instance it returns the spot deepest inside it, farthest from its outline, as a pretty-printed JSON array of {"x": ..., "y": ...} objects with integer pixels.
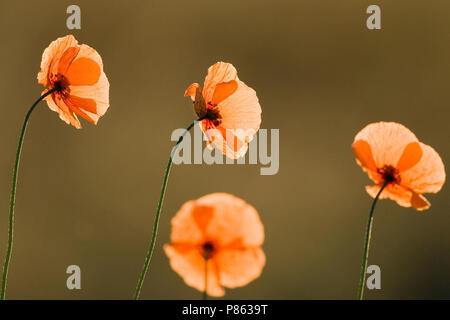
[
  {"x": 419, "y": 202},
  {"x": 83, "y": 72},
  {"x": 241, "y": 110},
  {"x": 387, "y": 141},
  {"x": 190, "y": 91},
  {"x": 67, "y": 58},
  {"x": 410, "y": 157},
  {"x": 223, "y": 90},
  {"x": 233, "y": 220},
  {"x": 98, "y": 92},
  {"x": 184, "y": 227},
  {"x": 363, "y": 154},
  {"x": 228, "y": 141},
  {"x": 190, "y": 265},
  {"x": 82, "y": 107},
  {"x": 217, "y": 73},
  {"x": 52, "y": 55},
  {"x": 428, "y": 175},
  {"x": 64, "y": 112},
  {"x": 395, "y": 192},
  {"x": 239, "y": 267}
]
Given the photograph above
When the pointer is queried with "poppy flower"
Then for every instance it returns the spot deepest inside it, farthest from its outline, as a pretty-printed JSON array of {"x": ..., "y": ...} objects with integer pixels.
[
  {"x": 231, "y": 110},
  {"x": 218, "y": 234},
  {"x": 390, "y": 153},
  {"x": 76, "y": 71}
]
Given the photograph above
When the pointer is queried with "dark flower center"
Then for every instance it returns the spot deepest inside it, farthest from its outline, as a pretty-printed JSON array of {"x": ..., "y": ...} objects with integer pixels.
[
  {"x": 208, "y": 249},
  {"x": 390, "y": 174},
  {"x": 61, "y": 84},
  {"x": 213, "y": 114}
]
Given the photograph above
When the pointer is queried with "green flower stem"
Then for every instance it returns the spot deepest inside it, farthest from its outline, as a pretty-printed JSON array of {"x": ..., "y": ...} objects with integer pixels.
[
  {"x": 13, "y": 193},
  {"x": 158, "y": 212},
  {"x": 205, "y": 292},
  {"x": 367, "y": 243}
]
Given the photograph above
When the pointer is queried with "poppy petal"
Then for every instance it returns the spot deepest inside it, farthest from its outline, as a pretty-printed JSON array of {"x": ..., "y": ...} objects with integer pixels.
[
  {"x": 51, "y": 56},
  {"x": 239, "y": 267},
  {"x": 77, "y": 106},
  {"x": 428, "y": 175},
  {"x": 184, "y": 227},
  {"x": 67, "y": 58},
  {"x": 233, "y": 220},
  {"x": 241, "y": 111},
  {"x": 223, "y": 90},
  {"x": 64, "y": 112},
  {"x": 88, "y": 105},
  {"x": 83, "y": 72},
  {"x": 410, "y": 157},
  {"x": 98, "y": 92},
  {"x": 202, "y": 216},
  {"x": 227, "y": 141},
  {"x": 191, "y": 90},
  {"x": 419, "y": 202},
  {"x": 50, "y": 102},
  {"x": 190, "y": 265},
  {"x": 363, "y": 154},
  {"x": 230, "y": 141},
  {"x": 395, "y": 192},
  {"x": 217, "y": 73},
  {"x": 387, "y": 141}
]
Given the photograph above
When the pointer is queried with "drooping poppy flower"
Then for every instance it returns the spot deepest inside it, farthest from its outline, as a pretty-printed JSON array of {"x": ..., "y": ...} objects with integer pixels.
[
  {"x": 219, "y": 235},
  {"x": 390, "y": 153},
  {"x": 231, "y": 110},
  {"x": 76, "y": 71}
]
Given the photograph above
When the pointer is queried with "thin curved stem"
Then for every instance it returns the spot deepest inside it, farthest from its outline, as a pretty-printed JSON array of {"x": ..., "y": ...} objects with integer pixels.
[
  {"x": 367, "y": 243},
  {"x": 158, "y": 212},
  {"x": 13, "y": 193},
  {"x": 205, "y": 292}
]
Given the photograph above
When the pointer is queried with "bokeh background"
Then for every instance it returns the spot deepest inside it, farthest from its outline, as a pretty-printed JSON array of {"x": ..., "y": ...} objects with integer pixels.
[{"x": 88, "y": 197}]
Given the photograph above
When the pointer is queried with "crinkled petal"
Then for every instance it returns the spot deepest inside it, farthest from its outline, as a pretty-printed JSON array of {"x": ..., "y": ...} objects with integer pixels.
[
  {"x": 363, "y": 155},
  {"x": 241, "y": 111},
  {"x": 239, "y": 267},
  {"x": 51, "y": 56},
  {"x": 191, "y": 90},
  {"x": 387, "y": 141},
  {"x": 98, "y": 92},
  {"x": 428, "y": 175},
  {"x": 223, "y": 90},
  {"x": 230, "y": 142},
  {"x": 410, "y": 157},
  {"x": 64, "y": 112},
  {"x": 403, "y": 196},
  {"x": 395, "y": 192},
  {"x": 217, "y": 73}
]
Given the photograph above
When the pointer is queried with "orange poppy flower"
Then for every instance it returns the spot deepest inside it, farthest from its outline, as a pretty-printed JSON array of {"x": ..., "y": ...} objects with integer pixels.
[
  {"x": 77, "y": 73},
  {"x": 231, "y": 110},
  {"x": 390, "y": 153},
  {"x": 219, "y": 234}
]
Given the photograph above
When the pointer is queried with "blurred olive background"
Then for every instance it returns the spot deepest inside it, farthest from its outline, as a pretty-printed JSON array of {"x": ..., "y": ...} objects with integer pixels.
[{"x": 88, "y": 197}]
